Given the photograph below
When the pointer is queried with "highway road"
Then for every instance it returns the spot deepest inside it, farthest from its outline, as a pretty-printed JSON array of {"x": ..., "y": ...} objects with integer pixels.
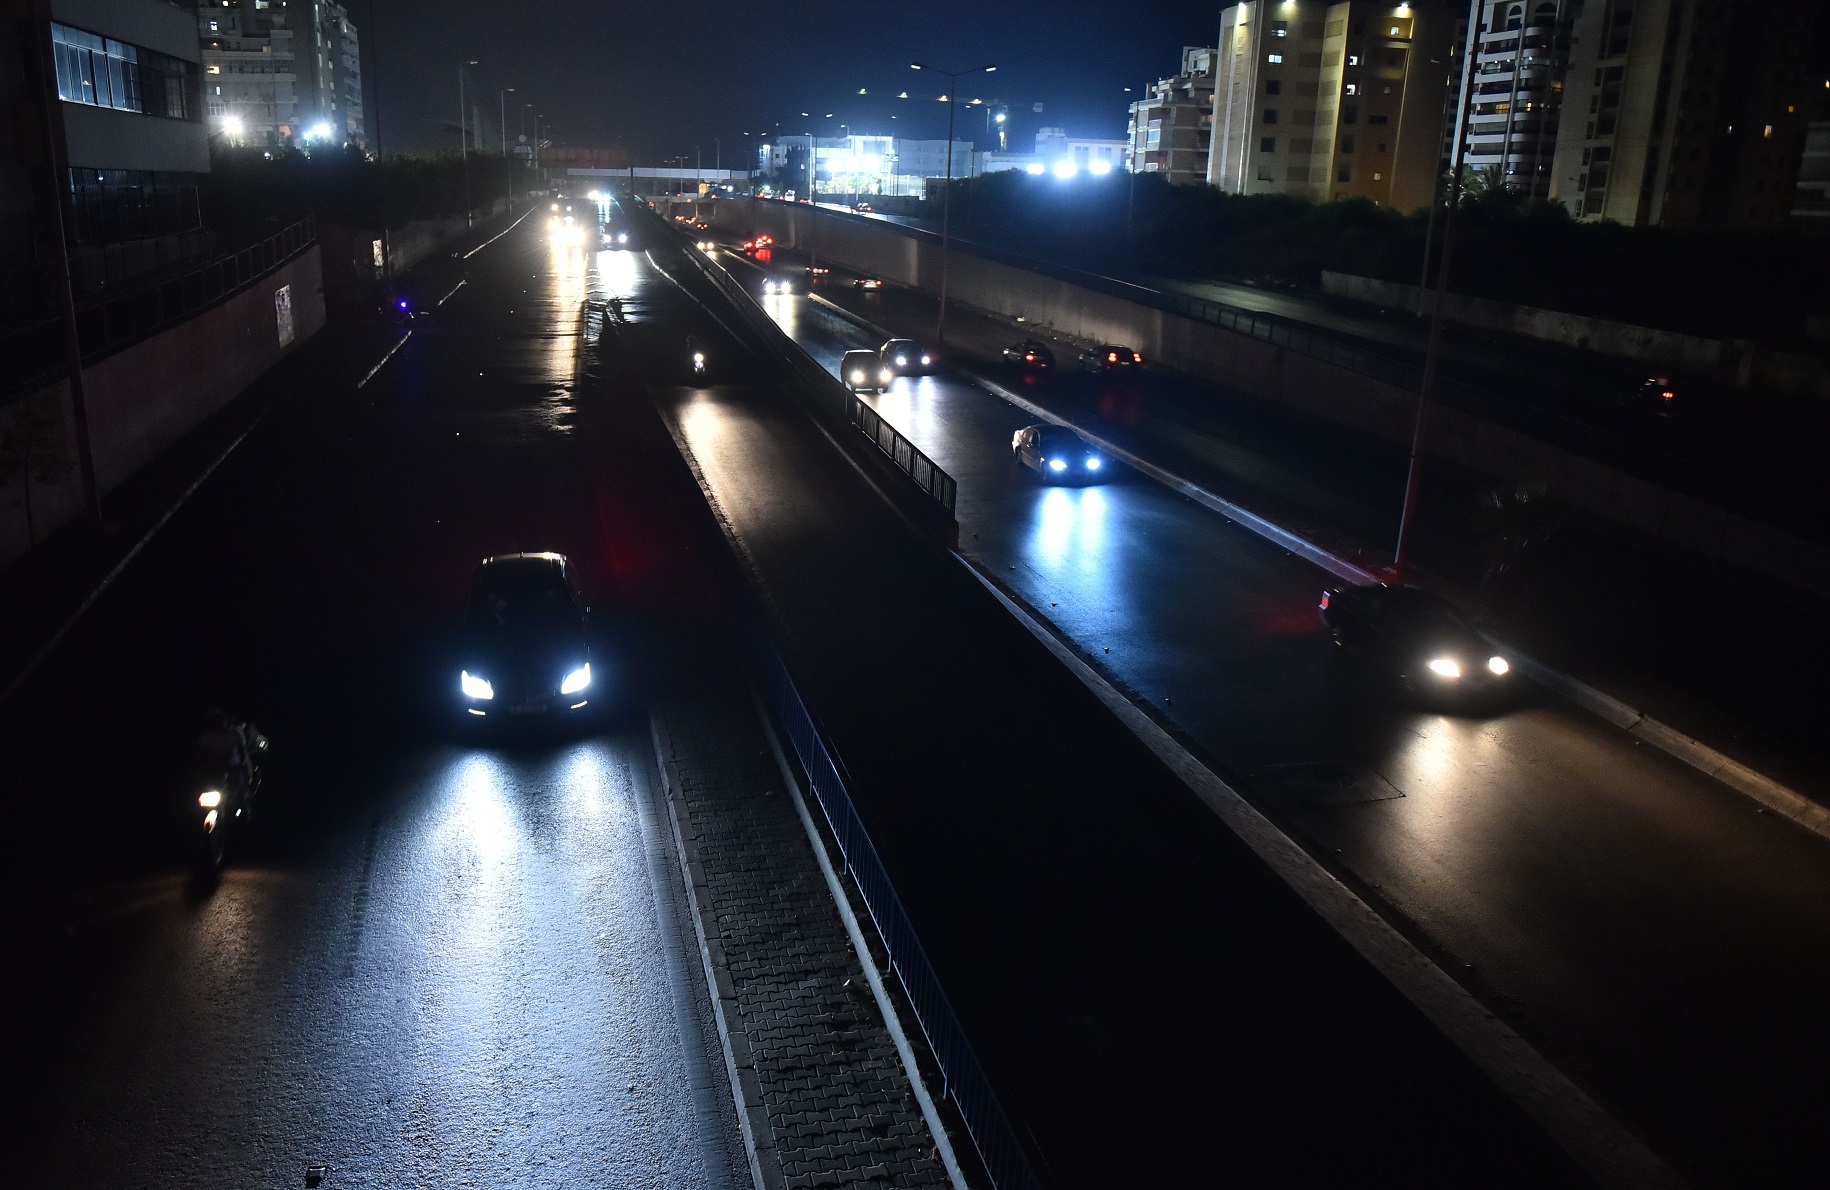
[
  {"x": 1660, "y": 936},
  {"x": 441, "y": 958}
]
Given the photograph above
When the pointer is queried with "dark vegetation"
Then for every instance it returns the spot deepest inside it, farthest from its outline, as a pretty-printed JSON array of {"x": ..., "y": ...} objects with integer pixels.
[
  {"x": 1751, "y": 284},
  {"x": 249, "y": 194}
]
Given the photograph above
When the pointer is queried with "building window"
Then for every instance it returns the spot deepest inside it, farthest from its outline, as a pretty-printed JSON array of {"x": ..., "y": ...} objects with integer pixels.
[
  {"x": 1273, "y": 86},
  {"x": 1264, "y": 173},
  {"x": 101, "y": 72},
  {"x": 1378, "y": 176},
  {"x": 1350, "y": 113},
  {"x": 1270, "y": 115},
  {"x": 1345, "y": 175},
  {"x": 1347, "y": 144},
  {"x": 1280, "y": 28},
  {"x": 1353, "y": 59},
  {"x": 1274, "y": 59},
  {"x": 1376, "y": 119},
  {"x": 1267, "y": 144},
  {"x": 1351, "y": 89}
]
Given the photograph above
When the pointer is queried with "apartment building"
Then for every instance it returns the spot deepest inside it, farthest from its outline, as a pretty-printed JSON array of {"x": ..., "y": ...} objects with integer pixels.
[
  {"x": 1333, "y": 100},
  {"x": 1171, "y": 128},
  {"x": 1685, "y": 113},
  {"x": 282, "y": 71},
  {"x": 1510, "y": 120}
]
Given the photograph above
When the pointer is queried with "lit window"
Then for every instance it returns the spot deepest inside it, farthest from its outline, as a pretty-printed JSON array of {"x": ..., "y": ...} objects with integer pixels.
[
  {"x": 1352, "y": 89},
  {"x": 1353, "y": 59},
  {"x": 1394, "y": 32},
  {"x": 1768, "y": 133},
  {"x": 1274, "y": 59}
]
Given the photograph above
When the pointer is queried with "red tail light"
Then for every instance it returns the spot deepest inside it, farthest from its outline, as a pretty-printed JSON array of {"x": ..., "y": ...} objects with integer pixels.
[
  {"x": 1667, "y": 394},
  {"x": 1111, "y": 357},
  {"x": 1325, "y": 597},
  {"x": 1136, "y": 358},
  {"x": 1030, "y": 358}
]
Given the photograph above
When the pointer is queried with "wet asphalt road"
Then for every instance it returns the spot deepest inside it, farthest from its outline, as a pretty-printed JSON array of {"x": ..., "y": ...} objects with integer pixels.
[
  {"x": 440, "y": 957},
  {"x": 1655, "y": 933}
]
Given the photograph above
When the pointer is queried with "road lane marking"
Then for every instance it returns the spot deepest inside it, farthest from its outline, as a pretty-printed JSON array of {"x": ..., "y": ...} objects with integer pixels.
[
  {"x": 1600, "y": 1144},
  {"x": 499, "y": 234},
  {"x": 401, "y": 342},
  {"x": 454, "y": 290}
]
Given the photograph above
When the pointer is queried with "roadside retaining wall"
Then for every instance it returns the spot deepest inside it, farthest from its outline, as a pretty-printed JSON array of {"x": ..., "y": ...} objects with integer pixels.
[
  {"x": 142, "y": 399},
  {"x": 1267, "y": 372},
  {"x": 1734, "y": 362}
]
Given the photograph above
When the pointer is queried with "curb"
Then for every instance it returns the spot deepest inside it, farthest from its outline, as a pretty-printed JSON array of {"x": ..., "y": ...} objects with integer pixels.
[
  {"x": 1772, "y": 795},
  {"x": 746, "y": 1089}
]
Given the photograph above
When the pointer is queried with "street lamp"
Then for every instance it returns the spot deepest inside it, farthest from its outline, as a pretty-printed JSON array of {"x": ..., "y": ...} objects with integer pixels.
[
  {"x": 946, "y": 195},
  {"x": 464, "y": 140}
]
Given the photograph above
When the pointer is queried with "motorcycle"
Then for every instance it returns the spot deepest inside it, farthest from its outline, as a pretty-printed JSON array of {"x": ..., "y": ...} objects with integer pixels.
[
  {"x": 225, "y": 800},
  {"x": 698, "y": 365}
]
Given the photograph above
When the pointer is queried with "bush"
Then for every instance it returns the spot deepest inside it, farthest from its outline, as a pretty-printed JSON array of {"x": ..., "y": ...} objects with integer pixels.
[{"x": 249, "y": 191}]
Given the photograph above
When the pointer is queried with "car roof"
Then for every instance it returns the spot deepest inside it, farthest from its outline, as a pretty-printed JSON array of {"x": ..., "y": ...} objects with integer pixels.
[
  {"x": 520, "y": 565},
  {"x": 860, "y": 351}
]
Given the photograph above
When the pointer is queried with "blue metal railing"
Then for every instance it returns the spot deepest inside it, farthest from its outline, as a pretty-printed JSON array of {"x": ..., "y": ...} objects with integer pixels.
[{"x": 964, "y": 1079}]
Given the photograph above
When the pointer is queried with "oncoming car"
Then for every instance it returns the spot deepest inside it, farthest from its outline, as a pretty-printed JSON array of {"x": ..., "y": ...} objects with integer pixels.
[
  {"x": 1417, "y": 637},
  {"x": 1057, "y": 454},
  {"x": 906, "y": 357},
  {"x": 863, "y": 370},
  {"x": 525, "y": 650},
  {"x": 778, "y": 284}
]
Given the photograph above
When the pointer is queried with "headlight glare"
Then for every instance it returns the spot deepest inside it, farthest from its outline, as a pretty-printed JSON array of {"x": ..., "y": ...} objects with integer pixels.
[
  {"x": 577, "y": 680},
  {"x": 1092, "y": 464},
  {"x": 1057, "y": 464},
  {"x": 1498, "y": 665},
  {"x": 1442, "y": 667},
  {"x": 473, "y": 686},
  {"x": 209, "y": 799}
]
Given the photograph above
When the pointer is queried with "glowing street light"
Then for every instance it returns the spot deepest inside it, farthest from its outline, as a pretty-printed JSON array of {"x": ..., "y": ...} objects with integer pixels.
[{"x": 946, "y": 195}]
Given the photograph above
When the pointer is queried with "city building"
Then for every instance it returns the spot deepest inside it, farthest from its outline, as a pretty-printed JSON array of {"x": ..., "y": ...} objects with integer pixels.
[
  {"x": 862, "y": 163},
  {"x": 282, "y": 71},
  {"x": 1679, "y": 113},
  {"x": 1056, "y": 150},
  {"x": 1171, "y": 128},
  {"x": 1325, "y": 101},
  {"x": 1510, "y": 121}
]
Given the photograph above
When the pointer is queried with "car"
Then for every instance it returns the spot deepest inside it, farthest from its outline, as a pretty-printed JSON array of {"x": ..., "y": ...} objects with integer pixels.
[
  {"x": 1418, "y": 637},
  {"x": 778, "y": 283},
  {"x": 1110, "y": 359},
  {"x": 863, "y": 208},
  {"x": 863, "y": 370},
  {"x": 1057, "y": 454},
  {"x": 1030, "y": 355},
  {"x": 1658, "y": 396},
  {"x": 701, "y": 225},
  {"x": 525, "y": 652},
  {"x": 705, "y": 245},
  {"x": 906, "y": 357},
  {"x": 868, "y": 282},
  {"x": 613, "y": 237},
  {"x": 817, "y": 274}
]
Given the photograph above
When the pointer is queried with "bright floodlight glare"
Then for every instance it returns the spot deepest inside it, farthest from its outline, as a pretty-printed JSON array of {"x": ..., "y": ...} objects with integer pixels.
[
  {"x": 577, "y": 680},
  {"x": 1498, "y": 665},
  {"x": 232, "y": 125},
  {"x": 1036, "y": 167},
  {"x": 1443, "y": 667},
  {"x": 1065, "y": 168},
  {"x": 1100, "y": 168},
  {"x": 474, "y": 687},
  {"x": 321, "y": 131}
]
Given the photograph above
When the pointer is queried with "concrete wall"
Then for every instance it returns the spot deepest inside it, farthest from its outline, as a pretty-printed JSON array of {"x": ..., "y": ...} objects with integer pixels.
[
  {"x": 143, "y": 399},
  {"x": 1270, "y": 373},
  {"x": 1730, "y": 361}
]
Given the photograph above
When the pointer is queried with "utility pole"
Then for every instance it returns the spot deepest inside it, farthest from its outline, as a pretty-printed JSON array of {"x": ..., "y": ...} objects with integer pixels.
[
  {"x": 1426, "y": 396},
  {"x": 946, "y": 195},
  {"x": 464, "y": 142},
  {"x": 508, "y": 175},
  {"x": 57, "y": 173},
  {"x": 387, "y": 248}
]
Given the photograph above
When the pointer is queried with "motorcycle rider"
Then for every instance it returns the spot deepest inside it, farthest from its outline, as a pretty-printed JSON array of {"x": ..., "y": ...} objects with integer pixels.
[{"x": 228, "y": 745}]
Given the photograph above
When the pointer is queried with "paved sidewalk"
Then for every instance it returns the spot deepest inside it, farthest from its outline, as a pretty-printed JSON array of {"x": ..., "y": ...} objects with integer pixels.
[{"x": 827, "y": 1099}]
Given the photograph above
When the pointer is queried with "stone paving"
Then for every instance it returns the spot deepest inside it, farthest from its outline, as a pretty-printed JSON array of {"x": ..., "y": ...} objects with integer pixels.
[{"x": 827, "y": 1101}]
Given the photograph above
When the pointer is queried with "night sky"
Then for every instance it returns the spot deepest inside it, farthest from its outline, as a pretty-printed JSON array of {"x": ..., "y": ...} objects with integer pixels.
[{"x": 661, "y": 77}]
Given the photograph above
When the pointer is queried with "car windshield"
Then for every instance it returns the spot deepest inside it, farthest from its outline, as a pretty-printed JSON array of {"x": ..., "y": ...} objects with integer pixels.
[
  {"x": 522, "y": 598},
  {"x": 901, "y": 345},
  {"x": 1426, "y": 615},
  {"x": 1064, "y": 440}
]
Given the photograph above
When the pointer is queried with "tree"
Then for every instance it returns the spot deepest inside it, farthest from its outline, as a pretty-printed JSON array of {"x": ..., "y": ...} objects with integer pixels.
[{"x": 33, "y": 449}]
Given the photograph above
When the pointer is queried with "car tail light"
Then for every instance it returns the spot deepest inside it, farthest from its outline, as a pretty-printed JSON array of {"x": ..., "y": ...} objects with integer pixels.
[
  {"x": 1030, "y": 358},
  {"x": 1136, "y": 358},
  {"x": 1667, "y": 394},
  {"x": 1111, "y": 357}
]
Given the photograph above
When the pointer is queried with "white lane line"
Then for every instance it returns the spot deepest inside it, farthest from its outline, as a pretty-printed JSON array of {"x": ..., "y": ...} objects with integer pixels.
[
  {"x": 82, "y": 609},
  {"x": 1611, "y": 1154},
  {"x": 1776, "y": 796},
  {"x": 399, "y": 343},
  {"x": 499, "y": 234},
  {"x": 454, "y": 290},
  {"x": 943, "y": 1144}
]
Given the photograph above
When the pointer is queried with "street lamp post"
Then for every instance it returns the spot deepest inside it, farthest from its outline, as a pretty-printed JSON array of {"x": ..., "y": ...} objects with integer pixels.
[
  {"x": 946, "y": 195},
  {"x": 508, "y": 175},
  {"x": 464, "y": 140}
]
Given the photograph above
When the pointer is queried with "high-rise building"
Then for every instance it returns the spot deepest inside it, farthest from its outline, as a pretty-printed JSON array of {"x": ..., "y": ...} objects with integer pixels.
[
  {"x": 1172, "y": 126},
  {"x": 1510, "y": 120},
  {"x": 1333, "y": 100},
  {"x": 1685, "y": 113},
  {"x": 282, "y": 71}
]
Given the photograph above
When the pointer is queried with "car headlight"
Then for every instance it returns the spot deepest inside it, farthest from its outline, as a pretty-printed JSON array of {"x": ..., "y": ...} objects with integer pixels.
[
  {"x": 857, "y": 378},
  {"x": 622, "y": 237},
  {"x": 1498, "y": 665},
  {"x": 474, "y": 687},
  {"x": 902, "y": 361},
  {"x": 1057, "y": 464},
  {"x": 209, "y": 799},
  {"x": 1442, "y": 667},
  {"x": 1092, "y": 464},
  {"x": 926, "y": 361},
  {"x": 577, "y": 680},
  {"x": 886, "y": 376}
]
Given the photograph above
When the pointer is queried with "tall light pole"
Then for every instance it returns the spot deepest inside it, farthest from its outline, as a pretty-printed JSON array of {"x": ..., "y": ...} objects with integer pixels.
[
  {"x": 508, "y": 175},
  {"x": 464, "y": 140},
  {"x": 1427, "y": 390},
  {"x": 946, "y": 195}
]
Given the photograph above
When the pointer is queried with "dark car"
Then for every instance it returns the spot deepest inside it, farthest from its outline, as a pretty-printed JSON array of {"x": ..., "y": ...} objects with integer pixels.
[
  {"x": 906, "y": 357},
  {"x": 1658, "y": 396},
  {"x": 1418, "y": 637},
  {"x": 868, "y": 283},
  {"x": 817, "y": 274},
  {"x": 863, "y": 371},
  {"x": 863, "y": 208},
  {"x": 1057, "y": 454},
  {"x": 1110, "y": 359},
  {"x": 525, "y": 647},
  {"x": 1030, "y": 356}
]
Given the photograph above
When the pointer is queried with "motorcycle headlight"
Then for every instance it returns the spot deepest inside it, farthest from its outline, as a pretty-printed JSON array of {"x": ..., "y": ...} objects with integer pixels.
[
  {"x": 1442, "y": 667},
  {"x": 1057, "y": 464},
  {"x": 473, "y": 686},
  {"x": 209, "y": 799},
  {"x": 577, "y": 680}
]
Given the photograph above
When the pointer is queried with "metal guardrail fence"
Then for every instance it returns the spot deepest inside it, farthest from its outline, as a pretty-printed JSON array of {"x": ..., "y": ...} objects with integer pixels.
[
  {"x": 966, "y": 1084},
  {"x": 926, "y": 474},
  {"x": 32, "y": 354}
]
